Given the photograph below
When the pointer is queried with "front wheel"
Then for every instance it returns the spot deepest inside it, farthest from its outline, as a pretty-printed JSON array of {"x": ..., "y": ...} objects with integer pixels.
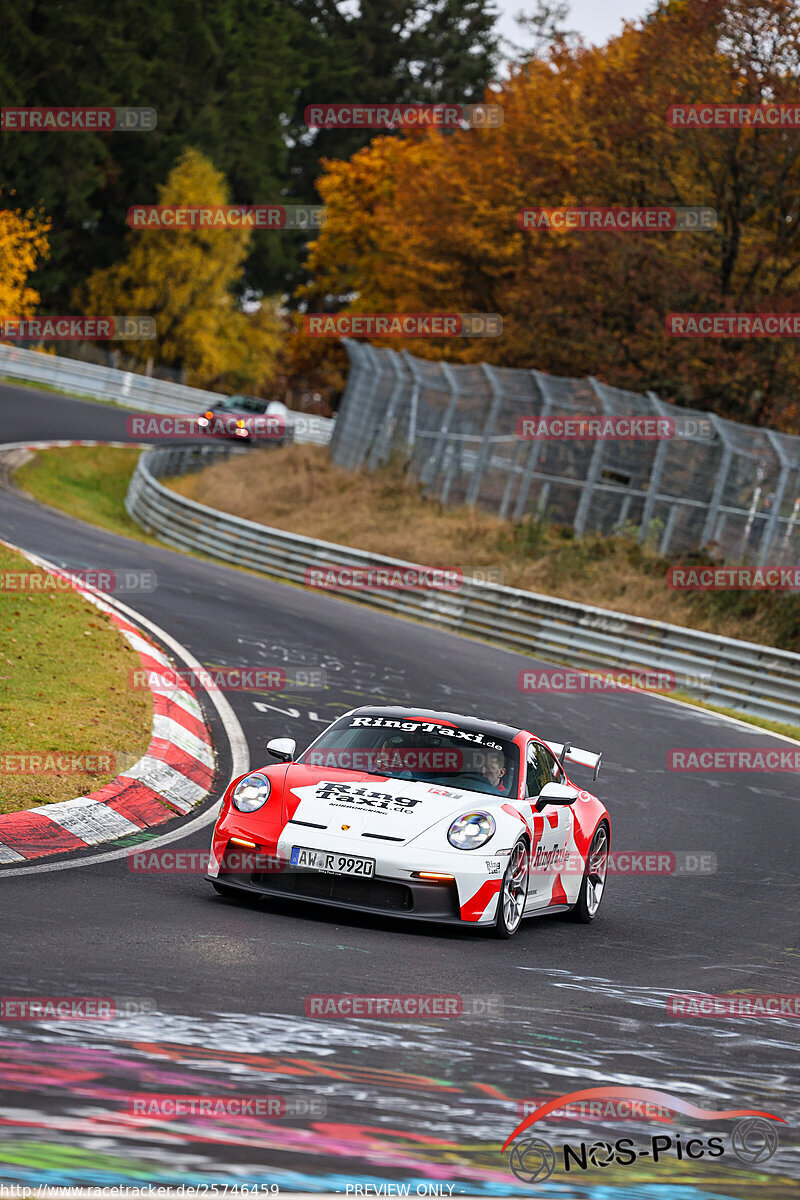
[
  {"x": 593, "y": 884},
  {"x": 513, "y": 892},
  {"x": 225, "y": 889}
]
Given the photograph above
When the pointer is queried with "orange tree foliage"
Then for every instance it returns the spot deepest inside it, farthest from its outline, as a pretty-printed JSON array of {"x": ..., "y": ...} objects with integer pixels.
[
  {"x": 427, "y": 222},
  {"x": 23, "y": 241}
]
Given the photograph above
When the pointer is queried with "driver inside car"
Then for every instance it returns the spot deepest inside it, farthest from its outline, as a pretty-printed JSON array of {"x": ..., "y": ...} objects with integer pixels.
[
  {"x": 390, "y": 759},
  {"x": 493, "y": 769}
]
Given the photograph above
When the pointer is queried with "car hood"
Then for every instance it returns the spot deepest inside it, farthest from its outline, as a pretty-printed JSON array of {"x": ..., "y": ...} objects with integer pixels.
[{"x": 352, "y": 804}]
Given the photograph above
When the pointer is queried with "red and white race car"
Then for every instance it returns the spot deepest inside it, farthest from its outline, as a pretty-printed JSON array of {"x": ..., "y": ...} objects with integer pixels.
[{"x": 421, "y": 814}]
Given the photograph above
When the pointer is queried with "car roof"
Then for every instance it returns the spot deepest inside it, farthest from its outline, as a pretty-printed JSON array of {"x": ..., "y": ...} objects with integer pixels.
[{"x": 472, "y": 724}]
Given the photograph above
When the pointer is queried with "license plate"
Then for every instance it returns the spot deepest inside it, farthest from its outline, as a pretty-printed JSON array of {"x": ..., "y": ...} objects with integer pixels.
[{"x": 331, "y": 864}]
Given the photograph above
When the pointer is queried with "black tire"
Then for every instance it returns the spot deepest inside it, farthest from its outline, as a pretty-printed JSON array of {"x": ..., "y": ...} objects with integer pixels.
[
  {"x": 513, "y": 892},
  {"x": 593, "y": 884},
  {"x": 225, "y": 889}
]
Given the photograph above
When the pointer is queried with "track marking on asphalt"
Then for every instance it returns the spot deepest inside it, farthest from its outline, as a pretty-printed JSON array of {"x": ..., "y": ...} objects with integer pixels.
[
  {"x": 709, "y": 712},
  {"x": 240, "y": 751},
  {"x": 685, "y": 704}
]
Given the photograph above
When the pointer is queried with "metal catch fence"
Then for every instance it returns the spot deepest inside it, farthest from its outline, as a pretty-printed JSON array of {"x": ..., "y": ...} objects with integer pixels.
[
  {"x": 720, "y": 484},
  {"x": 740, "y": 675}
]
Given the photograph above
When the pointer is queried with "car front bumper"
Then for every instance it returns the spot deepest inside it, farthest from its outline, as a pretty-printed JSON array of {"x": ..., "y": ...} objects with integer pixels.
[
  {"x": 470, "y": 898},
  {"x": 415, "y": 898}
]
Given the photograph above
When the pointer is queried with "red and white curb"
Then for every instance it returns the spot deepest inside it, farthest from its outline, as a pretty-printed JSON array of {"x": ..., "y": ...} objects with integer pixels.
[{"x": 171, "y": 778}]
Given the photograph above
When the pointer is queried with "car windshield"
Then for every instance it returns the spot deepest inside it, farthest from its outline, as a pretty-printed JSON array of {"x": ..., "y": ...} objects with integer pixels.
[
  {"x": 440, "y": 754},
  {"x": 248, "y": 404}
]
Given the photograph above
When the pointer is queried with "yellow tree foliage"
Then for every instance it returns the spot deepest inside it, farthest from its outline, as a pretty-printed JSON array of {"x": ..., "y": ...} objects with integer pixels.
[
  {"x": 23, "y": 241},
  {"x": 428, "y": 222},
  {"x": 185, "y": 278}
]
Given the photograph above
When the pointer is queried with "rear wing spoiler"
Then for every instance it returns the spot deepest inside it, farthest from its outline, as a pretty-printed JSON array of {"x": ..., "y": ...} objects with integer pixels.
[{"x": 565, "y": 752}]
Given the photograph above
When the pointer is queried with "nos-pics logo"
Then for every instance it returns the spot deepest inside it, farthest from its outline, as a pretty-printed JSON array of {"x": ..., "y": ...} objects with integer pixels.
[{"x": 753, "y": 1139}]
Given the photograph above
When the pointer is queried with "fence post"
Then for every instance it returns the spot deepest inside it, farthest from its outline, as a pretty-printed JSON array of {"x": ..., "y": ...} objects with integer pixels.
[
  {"x": 360, "y": 380},
  {"x": 378, "y": 453},
  {"x": 595, "y": 463},
  {"x": 722, "y": 479},
  {"x": 483, "y": 453},
  {"x": 654, "y": 483},
  {"x": 413, "y": 404},
  {"x": 778, "y": 498},
  {"x": 372, "y": 404},
  {"x": 434, "y": 462},
  {"x": 548, "y": 400},
  {"x": 669, "y": 526}
]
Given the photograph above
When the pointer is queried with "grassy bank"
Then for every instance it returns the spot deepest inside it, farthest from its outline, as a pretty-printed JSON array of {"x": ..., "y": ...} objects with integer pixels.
[
  {"x": 64, "y": 670},
  {"x": 88, "y": 482}
]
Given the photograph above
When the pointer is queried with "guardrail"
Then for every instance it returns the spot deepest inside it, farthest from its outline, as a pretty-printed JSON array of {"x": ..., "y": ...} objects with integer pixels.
[
  {"x": 141, "y": 392},
  {"x": 750, "y": 678}
]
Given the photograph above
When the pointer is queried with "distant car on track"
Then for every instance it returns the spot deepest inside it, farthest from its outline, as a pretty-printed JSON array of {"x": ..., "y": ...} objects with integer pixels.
[
  {"x": 248, "y": 418},
  {"x": 420, "y": 814}
]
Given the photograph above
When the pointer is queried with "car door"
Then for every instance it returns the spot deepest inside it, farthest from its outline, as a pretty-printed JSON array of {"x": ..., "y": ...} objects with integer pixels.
[{"x": 552, "y": 831}]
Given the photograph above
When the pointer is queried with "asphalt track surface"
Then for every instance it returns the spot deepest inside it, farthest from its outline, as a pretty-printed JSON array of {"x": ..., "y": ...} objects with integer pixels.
[{"x": 419, "y": 1102}]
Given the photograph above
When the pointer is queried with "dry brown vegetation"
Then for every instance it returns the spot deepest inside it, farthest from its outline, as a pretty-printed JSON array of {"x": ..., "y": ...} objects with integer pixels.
[{"x": 298, "y": 489}]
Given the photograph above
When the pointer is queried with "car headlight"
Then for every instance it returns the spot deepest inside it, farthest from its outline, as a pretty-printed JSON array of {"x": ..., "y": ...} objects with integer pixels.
[
  {"x": 202, "y": 422},
  {"x": 251, "y": 793},
  {"x": 471, "y": 831}
]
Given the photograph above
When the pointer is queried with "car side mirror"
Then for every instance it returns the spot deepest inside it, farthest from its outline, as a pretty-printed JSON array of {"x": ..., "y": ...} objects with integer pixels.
[
  {"x": 284, "y": 749},
  {"x": 556, "y": 793}
]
